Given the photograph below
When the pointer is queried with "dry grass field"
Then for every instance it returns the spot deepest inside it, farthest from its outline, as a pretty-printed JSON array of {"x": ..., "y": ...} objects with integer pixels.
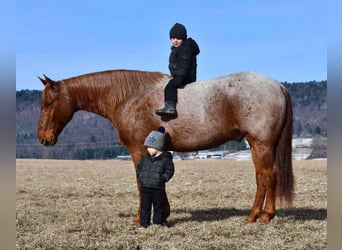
[{"x": 64, "y": 204}]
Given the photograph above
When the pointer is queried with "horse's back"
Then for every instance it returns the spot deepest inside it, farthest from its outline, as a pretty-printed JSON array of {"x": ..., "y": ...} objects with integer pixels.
[
  {"x": 248, "y": 102},
  {"x": 240, "y": 85}
]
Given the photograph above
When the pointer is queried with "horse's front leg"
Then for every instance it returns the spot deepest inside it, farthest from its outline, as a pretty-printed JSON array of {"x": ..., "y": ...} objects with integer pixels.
[
  {"x": 137, "y": 217},
  {"x": 136, "y": 157}
]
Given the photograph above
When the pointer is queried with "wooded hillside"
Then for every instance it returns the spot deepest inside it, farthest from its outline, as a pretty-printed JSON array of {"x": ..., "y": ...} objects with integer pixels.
[{"x": 89, "y": 136}]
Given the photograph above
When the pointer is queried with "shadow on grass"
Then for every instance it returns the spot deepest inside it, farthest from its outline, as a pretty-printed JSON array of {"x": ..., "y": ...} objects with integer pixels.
[{"x": 216, "y": 214}]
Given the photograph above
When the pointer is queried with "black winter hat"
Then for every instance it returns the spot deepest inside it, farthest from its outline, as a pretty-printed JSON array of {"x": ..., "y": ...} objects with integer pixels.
[{"x": 179, "y": 31}]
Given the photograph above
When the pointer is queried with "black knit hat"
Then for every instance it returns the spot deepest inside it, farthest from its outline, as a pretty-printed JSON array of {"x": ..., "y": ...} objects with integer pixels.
[{"x": 178, "y": 31}]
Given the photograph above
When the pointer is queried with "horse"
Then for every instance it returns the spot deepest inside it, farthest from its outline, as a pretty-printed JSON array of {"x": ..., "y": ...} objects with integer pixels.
[{"x": 211, "y": 112}]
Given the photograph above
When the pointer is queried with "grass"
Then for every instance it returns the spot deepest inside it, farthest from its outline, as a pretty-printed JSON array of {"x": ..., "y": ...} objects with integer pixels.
[{"x": 64, "y": 204}]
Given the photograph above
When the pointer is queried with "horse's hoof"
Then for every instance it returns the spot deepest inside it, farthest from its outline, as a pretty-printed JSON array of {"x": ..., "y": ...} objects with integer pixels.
[
  {"x": 266, "y": 218},
  {"x": 136, "y": 220},
  {"x": 253, "y": 216},
  {"x": 251, "y": 219}
]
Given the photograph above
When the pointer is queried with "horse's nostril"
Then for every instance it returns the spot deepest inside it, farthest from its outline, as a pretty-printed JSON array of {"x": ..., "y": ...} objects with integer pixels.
[{"x": 43, "y": 141}]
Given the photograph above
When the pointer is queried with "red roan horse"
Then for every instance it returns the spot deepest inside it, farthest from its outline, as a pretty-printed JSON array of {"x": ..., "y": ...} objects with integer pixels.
[{"x": 210, "y": 113}]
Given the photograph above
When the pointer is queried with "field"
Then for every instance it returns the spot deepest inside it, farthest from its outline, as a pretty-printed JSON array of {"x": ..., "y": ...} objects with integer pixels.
[{"x": 64, "y": 204}]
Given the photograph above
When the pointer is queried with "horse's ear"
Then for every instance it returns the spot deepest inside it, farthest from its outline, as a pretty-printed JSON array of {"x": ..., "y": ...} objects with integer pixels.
[
  {"x": 43, "y": 81},
  {"x": 46, "y": 80}
]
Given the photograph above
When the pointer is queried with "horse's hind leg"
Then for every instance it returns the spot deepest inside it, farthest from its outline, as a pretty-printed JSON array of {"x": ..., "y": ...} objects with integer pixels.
[{"x": 265, "y": 179}]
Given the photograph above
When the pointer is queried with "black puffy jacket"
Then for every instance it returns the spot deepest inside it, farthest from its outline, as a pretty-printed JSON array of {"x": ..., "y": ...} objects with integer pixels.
[
  {"x": 183, "y": 61},
  {"x": 153, "y": 172}
]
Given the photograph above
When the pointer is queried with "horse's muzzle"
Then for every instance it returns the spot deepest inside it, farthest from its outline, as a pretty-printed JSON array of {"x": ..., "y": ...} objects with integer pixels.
[{"x": 47, "y": 142}]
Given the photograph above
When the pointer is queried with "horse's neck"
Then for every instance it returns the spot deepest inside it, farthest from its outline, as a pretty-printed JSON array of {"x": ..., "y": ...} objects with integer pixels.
[
  {"x": 106, "y": 92},
  {"x": 92, "y": 99}
]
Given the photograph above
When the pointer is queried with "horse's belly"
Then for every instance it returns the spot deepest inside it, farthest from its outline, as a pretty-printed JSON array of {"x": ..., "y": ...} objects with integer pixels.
[{"x": 196, "y": 140}]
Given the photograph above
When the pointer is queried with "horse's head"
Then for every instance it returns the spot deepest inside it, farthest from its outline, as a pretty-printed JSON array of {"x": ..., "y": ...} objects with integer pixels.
[{"x": 55, "y": 111}]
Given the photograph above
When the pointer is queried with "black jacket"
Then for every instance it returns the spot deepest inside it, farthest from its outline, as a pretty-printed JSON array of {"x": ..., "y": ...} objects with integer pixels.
[
  {"x": 183, "y": 61},
  {"x": 153, "y": 172}
]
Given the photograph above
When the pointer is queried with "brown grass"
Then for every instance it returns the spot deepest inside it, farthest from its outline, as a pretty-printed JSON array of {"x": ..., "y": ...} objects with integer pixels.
[{"x": 64, "y": 204}]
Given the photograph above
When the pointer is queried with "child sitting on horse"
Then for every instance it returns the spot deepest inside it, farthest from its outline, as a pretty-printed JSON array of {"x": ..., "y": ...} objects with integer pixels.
[
  {"x": 182, "y": 66},
  {"x": 153, "y": 171}
]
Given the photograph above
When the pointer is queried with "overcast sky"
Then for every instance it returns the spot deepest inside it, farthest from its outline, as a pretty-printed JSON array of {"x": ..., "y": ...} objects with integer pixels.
[{"x": 285, "y": 40}]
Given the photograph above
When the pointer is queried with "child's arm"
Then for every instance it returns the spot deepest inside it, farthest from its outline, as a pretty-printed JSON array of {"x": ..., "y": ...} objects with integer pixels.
[
  {"x": 168, "y": 171},
  {"x": 138, "y": 170},
  {"x": 184, "y": 62}
]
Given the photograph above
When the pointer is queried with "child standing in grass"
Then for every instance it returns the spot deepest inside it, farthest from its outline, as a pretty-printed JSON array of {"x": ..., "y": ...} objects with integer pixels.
[{"x": 153, "y": 171}]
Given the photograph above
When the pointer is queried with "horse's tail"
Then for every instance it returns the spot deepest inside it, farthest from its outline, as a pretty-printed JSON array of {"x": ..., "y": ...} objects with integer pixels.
[{"x": 284, "y": 173}]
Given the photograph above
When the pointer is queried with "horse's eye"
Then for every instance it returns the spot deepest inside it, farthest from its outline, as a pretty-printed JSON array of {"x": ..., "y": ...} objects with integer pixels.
[{"x": 48, "y": 105}]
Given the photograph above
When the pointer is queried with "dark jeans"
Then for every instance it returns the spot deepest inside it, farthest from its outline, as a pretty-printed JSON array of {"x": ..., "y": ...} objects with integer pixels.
[
  {"x": 149, "y": 197},
  {"x": 170, "y": 91}
]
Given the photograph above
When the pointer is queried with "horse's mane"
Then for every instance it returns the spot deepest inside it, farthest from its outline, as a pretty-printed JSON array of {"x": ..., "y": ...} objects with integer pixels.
[{"x": 125, "y": 82}]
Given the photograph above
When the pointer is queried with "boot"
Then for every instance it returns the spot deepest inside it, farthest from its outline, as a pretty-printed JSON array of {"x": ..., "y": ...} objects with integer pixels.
[{"x": 169, "y": 109}]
